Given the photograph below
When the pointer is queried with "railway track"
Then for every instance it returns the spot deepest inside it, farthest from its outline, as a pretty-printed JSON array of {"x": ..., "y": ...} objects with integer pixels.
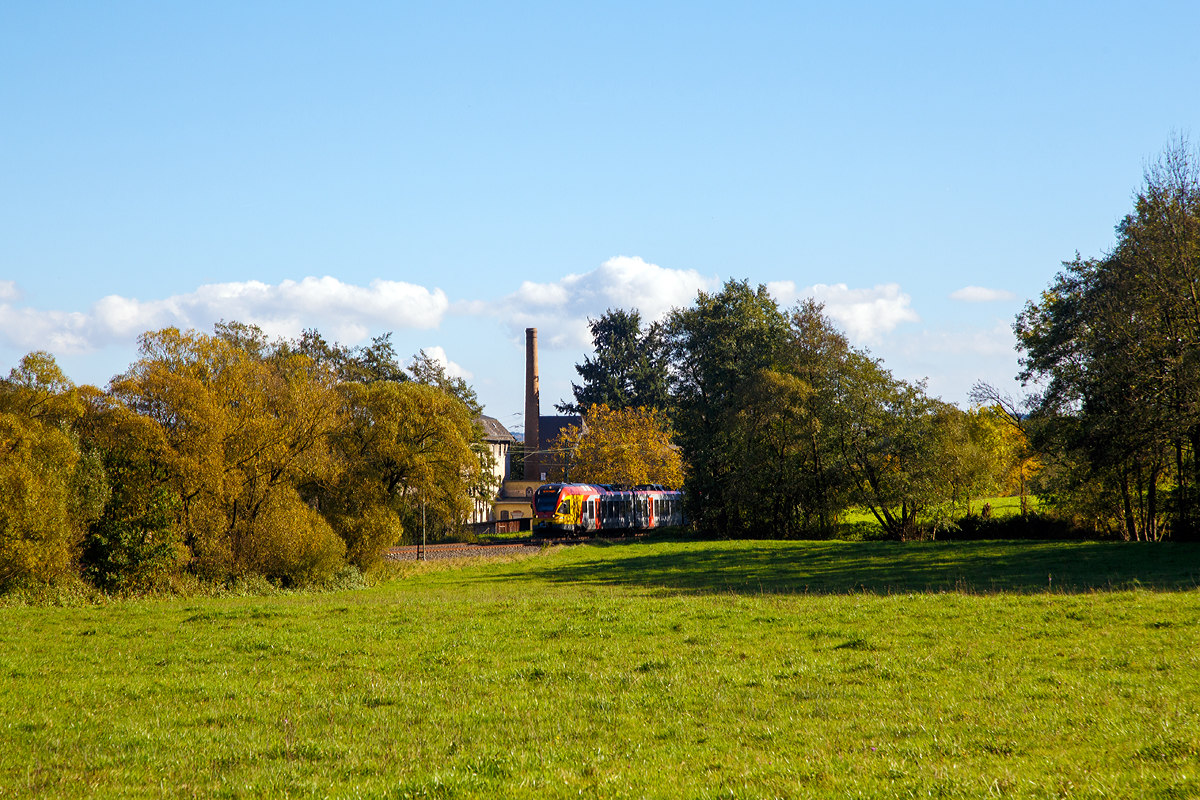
[
  {"x": 463, "y": 550},
  {"x": 511, "y": 546}
]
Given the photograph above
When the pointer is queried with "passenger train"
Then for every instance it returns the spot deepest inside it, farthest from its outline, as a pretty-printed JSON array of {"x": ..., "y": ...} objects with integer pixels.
[{"x": 583, "y": 508}]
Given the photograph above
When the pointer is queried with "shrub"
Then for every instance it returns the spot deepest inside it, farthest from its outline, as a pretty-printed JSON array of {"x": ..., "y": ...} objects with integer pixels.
[
  {"x": 368, "y": 535},
  {"x": 291, "y": 543},
  {"x": 1031, "y": 526},
  {"x": 134, "y": 544}
]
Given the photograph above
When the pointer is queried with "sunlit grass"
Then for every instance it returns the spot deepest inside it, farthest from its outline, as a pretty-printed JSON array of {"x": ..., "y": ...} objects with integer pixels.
[
  {"x": 1000, "y": 507},
  {"x": 699, "y": 669}
]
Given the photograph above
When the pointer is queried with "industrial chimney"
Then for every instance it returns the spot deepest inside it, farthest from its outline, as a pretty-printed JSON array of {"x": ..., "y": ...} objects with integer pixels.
[{"x": 533, "y": 408}]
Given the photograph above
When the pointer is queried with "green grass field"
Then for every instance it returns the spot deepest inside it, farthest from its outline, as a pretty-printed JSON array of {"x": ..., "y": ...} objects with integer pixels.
[
  {"x": 1001, "y": 507},
  {"x": 704, "y": 669}
]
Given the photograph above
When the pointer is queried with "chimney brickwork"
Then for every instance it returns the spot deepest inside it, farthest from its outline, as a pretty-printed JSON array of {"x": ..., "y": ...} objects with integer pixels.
[{"x": 533, "y": 407}]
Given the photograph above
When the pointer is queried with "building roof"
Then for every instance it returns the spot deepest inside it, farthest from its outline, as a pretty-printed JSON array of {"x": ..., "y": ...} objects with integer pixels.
[
  {"x": 549, "y": 427},
  {"x": 493, "y": 431}
]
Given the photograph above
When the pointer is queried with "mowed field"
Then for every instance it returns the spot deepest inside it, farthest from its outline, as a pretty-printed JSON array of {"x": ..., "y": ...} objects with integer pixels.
[{"x": 657, "y": 669}]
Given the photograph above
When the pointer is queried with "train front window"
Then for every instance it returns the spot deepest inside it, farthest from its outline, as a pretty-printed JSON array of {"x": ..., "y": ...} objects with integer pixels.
[{"x": 544, "y": 501}]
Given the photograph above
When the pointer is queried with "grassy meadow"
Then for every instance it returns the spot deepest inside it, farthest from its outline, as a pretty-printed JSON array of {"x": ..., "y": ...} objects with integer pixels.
[
  {"x": 1002, "y": 507},
  {"x": 658, "y": 669}
]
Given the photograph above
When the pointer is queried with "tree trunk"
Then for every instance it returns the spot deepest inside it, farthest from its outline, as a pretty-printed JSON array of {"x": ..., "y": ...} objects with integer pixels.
[
  {"x": 1152, "y": 506},
  {"x": 1181, "y": 510},
  {"x": 1130, "y": 523}
]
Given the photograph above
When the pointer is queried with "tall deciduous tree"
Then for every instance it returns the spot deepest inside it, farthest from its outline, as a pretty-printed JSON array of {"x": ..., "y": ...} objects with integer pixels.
[
  {"x": 429, "y": 371},
  {"x": 241, "y": 431},
  {"x": 1115, "y": 342},
  {"x": 719, "y": 348},
  {"x": 793, "y": 481},
  {"x": 893, "y": 439},
  {"x": 404, "y": 445}
]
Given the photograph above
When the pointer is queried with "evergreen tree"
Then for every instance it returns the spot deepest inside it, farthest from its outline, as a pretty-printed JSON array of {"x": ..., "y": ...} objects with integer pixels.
[{"x": 629, "y": 369}]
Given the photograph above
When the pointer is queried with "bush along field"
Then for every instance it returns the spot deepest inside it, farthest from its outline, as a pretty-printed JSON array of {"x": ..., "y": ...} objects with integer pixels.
[{"x": 650, "y": 669}]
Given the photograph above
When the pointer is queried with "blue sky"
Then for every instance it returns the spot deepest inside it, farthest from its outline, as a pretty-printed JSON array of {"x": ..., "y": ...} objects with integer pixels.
[{"x": 456, "y": 172}]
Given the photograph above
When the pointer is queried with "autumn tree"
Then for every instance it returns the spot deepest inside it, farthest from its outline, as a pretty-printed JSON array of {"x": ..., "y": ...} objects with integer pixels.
[
  {"x": 429, "y": 371},
  {"x": 136, "y": 542},
  {"x": 1014, "y": 448},
  {"x": 893, "y": 440},
  {"x": 791, "y": 482},
  {"x": 406, "y": 448},
  {"x": 626, "y": 447},
  {"x": 49, "y": 488},
  {"x": 240, "y": 432}
]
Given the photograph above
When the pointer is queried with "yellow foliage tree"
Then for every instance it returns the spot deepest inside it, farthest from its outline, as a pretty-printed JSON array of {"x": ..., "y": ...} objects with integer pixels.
[
  {"x": 238, "y": 430},
  {"x": 44, "y": 498},
  {"x": 36, "y": 535},
  {"x": 1021, "y": 462},
  {"x": 626, "y": 447},
  {"x": 405, "y": 444}
]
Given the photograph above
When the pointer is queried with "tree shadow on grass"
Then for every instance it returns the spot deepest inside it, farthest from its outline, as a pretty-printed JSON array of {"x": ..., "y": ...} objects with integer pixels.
[{"x": 754, "y": 567}]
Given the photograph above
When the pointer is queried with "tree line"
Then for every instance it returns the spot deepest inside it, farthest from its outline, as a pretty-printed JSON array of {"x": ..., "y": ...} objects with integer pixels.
[
  {"x": 227, "y": 455},
  {"x": 783, "y": 426}
]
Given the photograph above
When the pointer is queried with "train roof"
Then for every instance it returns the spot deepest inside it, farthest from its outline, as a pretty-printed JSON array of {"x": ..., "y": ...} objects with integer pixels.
[{"x": 603, "y": 488}]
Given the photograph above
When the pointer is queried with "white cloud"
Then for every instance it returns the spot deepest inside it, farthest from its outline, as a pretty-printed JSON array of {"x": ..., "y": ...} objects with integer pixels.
[
  {"x": 9, "y": 290},
  {"x": 980, "y": 294},
  {"x": 865, "y": 314},
  {"x": 453, "y": 370},
  {"x": 964, "y": 340},
  {"x": 954, "y": 357},
  {"x": 342, "y": 311},
  {"x": 560, "y": 310}
]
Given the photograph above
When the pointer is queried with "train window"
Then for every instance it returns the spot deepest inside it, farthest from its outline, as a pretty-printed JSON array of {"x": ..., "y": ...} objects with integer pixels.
[
  {"x": 544, "y": 501},
  {"x": 565, "y": 508}
]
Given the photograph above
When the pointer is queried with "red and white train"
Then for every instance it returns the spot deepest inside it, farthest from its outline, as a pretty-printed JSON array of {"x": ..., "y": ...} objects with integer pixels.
[{"x": 583, "y": 508}]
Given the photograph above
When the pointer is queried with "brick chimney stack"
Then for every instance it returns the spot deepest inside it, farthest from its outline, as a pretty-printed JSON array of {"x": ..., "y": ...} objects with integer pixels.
[{"x": 533, "y": 407}]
